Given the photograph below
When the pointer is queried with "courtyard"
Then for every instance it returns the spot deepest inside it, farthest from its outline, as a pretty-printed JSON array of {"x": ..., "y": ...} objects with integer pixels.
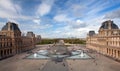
[{"x": 98, "y": 62}]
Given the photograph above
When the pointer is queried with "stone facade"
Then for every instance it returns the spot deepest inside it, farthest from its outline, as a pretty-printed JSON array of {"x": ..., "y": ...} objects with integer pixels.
[
  {"x": 107, "y": 41},
  {"x": 11, "y": 41}
]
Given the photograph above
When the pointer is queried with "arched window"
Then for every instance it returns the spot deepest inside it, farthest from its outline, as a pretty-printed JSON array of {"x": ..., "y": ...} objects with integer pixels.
[{"x": 11, "y": 44}]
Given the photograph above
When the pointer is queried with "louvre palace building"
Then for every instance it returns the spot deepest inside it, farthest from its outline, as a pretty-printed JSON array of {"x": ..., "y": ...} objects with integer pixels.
[
  {"x": 107, "y": 41},
  {"x": 12, "y": 42}
]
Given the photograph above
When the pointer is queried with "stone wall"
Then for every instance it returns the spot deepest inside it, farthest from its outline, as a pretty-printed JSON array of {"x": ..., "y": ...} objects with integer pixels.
[
  {"x": 11, "y": 41},
  {"x": 107, "y": 41}
]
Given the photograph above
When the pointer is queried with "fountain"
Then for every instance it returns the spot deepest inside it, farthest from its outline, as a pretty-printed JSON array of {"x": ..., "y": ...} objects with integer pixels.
[
  {"x": 81, "y": 54},
  {"x": 58, "y": 52},
  {"x": 35, "y": 55}
]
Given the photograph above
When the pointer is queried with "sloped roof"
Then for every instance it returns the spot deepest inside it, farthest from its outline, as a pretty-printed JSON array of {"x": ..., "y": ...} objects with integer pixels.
[
  {"x": 105, "y": 25},
  {"x": 13, "y": 26}
]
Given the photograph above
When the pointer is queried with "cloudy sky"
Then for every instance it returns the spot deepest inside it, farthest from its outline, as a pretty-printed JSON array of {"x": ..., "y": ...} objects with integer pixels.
[{"x": 59, "y": 18}]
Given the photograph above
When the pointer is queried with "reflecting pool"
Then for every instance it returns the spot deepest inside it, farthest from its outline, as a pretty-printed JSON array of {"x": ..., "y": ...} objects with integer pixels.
[{"x": 44, "y": 54}]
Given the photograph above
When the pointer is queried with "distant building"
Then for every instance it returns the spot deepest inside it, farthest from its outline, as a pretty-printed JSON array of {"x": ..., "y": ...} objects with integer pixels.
[
  {"x": 107, "y": 41},
  {"x": 91, "y": 33},
  {"x": 11, "y": 41},
  {"x": 38, "y": 39},
  {"x": 30, "y": 34}
]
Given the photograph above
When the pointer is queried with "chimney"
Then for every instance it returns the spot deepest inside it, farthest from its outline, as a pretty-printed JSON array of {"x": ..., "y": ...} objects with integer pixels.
[
  {"x": 9, "y": 28},
  {"x": 109, "y": 24}
]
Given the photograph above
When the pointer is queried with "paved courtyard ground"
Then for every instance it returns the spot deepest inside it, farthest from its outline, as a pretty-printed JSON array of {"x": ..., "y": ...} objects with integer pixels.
[{"x": 98, "y": 63}]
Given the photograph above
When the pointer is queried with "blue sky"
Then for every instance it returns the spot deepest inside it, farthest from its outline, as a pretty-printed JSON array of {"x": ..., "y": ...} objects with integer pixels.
[{"x": 59, "y": 18}]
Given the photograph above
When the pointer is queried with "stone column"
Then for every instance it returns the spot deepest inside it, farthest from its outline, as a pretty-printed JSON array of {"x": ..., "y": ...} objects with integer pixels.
[
  {"x": 0, "y": 54},
  {"x": 117, "y": 54}
]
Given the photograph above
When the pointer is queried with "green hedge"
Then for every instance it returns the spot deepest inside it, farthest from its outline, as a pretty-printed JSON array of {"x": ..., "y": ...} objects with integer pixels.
[
  {"x": 75, "y": 41},
  {"x": 71, "y": 41}
]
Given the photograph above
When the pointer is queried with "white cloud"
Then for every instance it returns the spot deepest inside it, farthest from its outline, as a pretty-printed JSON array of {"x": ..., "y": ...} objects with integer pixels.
[
  {"x": 78, "y": 10},
  {"x": 8, "y": 9},
  {"x": 75, "y": 29},
  {"x": 61, "y": 18},
  {"x": 65, "y": 32},
  {"x": 113, "y": 14},
  {"x": 77, "y": 24},
  {"x": 39, "y": 26},
  {"x": 37, "y": 21},
  {"x": 35, "y": 27},
  {"x": 45, "y": 7},
  {"x": 7, "y": 5}
]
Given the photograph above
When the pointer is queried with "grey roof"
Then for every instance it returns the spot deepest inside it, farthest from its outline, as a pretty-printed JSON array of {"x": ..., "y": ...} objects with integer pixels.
[
  {"x": 91, "y": 33},
  {"x": 106, "y": 24},
  {"x": 13, "y": 27},
  {"x": 30, "y": 34}
]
